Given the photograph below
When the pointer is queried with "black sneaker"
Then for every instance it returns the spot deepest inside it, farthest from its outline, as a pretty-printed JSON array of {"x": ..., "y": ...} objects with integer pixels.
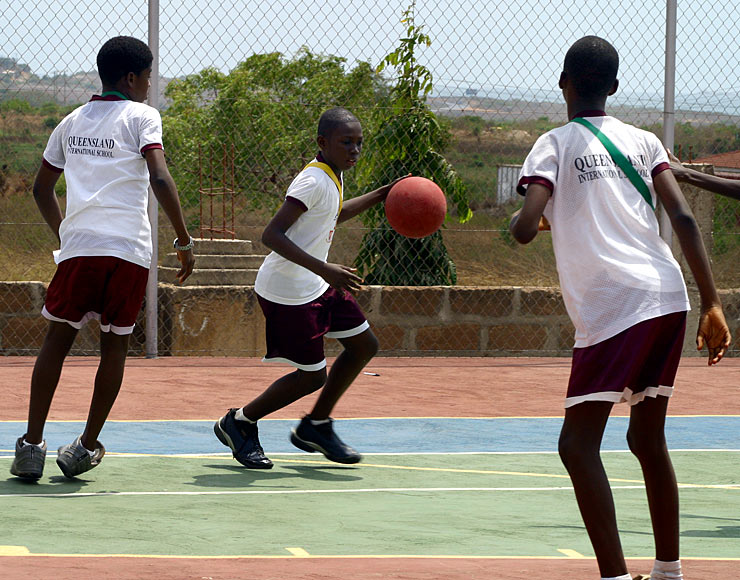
[
  {"x": 243, "y": 440},
  {"x": 322, "y": 438}
]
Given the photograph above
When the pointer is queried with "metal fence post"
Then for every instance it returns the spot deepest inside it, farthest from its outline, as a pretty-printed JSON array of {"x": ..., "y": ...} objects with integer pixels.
[
  {"x": 669, "y": 100},
  {"x": 151, "y": 288}
]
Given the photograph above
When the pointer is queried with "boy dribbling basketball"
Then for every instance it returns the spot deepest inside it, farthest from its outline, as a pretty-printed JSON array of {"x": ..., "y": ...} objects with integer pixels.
[{"x": 305, "y": 298}]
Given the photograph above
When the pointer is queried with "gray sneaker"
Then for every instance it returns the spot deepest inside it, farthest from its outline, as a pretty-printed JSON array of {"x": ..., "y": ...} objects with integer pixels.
[
  {"x": 73, "y": 459},
  {"x": 29, "y": 460}
]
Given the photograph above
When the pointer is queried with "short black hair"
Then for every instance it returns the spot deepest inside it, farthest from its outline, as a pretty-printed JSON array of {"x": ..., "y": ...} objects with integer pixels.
[
  {"x": 332, "y": 118},
  {"x": 121, "y": 55},
  {"x": 591, "y": 64}
]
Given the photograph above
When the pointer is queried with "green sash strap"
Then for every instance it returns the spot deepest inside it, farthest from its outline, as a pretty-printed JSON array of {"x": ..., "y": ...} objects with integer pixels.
[
  {"x": 619, "y": 158},
  {"x": 116, "y": 94},
  {"x": 328, "y": 170}
]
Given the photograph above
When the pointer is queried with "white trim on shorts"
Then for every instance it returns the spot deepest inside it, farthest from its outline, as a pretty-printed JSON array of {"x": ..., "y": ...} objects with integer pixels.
[
  {"x": 279, "y": 359},
  {"x": 120, "y": 330},
  {"x": 320, "y": 365},
  {"x": 626, "y": 396},
  {"x": 351, "y": 332}
]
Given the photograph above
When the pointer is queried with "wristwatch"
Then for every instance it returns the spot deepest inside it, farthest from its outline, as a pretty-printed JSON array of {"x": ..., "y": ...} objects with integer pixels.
[{"x": 186, "y": 247}]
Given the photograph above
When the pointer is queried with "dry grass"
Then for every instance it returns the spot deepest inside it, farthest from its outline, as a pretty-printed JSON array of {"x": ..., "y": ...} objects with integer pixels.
[{"x": 482, "y": 250}]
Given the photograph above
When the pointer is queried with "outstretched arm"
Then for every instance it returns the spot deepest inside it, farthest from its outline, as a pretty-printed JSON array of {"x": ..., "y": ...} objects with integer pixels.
[
  {"x": 165, "y": 191},
  {"x": 726, "y": 187},
  {"x": 46, "y": 199},
  {"x": 713, "y": 330}
]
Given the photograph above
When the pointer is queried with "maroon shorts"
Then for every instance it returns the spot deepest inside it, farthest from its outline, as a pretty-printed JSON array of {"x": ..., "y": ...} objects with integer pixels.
[
  {"x": 295, "y": 334},
  {"x": 636, "y": 363},
  {"x": 108, "y": 289}
]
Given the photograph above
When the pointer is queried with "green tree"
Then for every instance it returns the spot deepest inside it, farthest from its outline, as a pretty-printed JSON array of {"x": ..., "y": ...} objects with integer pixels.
[
  {"x": 265, "y": 110},
  {"x": 409, "y": 139}
]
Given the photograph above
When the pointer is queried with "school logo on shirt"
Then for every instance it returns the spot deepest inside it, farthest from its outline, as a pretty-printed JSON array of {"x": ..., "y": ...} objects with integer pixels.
[
  {"x": 602, "y": 166},
  {"x": 93, "y": 146}
]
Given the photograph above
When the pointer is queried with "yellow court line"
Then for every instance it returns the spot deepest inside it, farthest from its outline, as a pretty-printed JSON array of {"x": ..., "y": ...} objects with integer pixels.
[
  {"x": 14, "y": 551},
  {"x": 438, "y": 469},
  {"x": 495, "y": 472},
  {"x": 299, "y": 552},
  {"x": 350, "y": 556},
  {"x": 82, "y": 420},
  {"x": 571, "y": 553}
]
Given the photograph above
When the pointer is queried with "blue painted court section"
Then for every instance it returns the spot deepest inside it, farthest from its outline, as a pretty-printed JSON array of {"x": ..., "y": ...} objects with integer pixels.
[{"x": 403, "y": 435}]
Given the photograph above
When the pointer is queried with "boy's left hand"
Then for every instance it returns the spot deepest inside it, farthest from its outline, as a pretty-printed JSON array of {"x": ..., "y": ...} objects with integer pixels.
[
  {"x": 385, "y": 190},
  {"x": 187, "y": 261},
  {"x": 714, "y": 332}
]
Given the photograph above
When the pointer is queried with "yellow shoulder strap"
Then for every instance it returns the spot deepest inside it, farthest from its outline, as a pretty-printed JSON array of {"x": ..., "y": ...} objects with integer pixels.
[{"x": 328, "y": 170}]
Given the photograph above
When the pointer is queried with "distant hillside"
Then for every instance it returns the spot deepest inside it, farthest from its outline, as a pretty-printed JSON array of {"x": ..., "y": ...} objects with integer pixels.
[
  {"x": 520, "y": 110},
  {"x": 18, "y": 82}
]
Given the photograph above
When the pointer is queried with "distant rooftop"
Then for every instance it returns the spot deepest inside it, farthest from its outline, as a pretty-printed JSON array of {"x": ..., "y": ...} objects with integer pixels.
[{"x": 730, "y": 160}]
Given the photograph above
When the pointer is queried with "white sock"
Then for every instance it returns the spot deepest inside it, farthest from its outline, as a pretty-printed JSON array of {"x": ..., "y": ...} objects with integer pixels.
[
  {"x": 666, "y": 570},
  {"x": 90, "y": 453},
  {"x": 239, "y": 416},
  {"x": 319, "y": 422},
  {"x": 622, "y": 577},
  {"x": 24, "y": 443}
]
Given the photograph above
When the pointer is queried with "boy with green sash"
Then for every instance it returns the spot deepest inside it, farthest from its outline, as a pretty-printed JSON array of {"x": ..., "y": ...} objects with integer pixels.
[{"x": 595, "y": 181}]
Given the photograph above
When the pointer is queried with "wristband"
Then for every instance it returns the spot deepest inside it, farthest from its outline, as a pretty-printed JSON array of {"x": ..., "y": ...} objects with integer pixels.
[{"x": 186, "y": 247}]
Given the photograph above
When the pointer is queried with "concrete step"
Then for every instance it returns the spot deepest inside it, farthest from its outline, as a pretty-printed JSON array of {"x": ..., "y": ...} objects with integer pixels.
[
  {"x": 218, "y": 261},
  {"x": 223, "y": 247},
  {"x": 210, "y": 277}
]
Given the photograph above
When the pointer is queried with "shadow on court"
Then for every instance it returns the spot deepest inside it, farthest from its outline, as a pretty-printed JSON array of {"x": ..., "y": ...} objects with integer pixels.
[{"x": 236, "y": 477}]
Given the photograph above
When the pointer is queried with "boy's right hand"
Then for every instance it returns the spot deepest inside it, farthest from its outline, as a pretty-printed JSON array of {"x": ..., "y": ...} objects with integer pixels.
[
  {"x": 341, "y": 277},
  {"x": 714, "y": 332}
]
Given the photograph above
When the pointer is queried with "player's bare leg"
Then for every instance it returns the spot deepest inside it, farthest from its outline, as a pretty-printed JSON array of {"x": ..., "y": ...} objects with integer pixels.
[
  {"x": 580, "y": 443},
  {"x": 646, "y": 439},
  {"x": 358, "y": 351},
  {"x": 284, "y": 391},
  {"x": 45, "y": 378},
  {"x": 108, "y": 379}
]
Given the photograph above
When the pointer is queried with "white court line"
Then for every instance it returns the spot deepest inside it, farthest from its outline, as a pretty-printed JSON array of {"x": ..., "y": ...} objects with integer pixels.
[
  {"x": 400, "y": 453},
  {"x": 299, "y": 491},
  {"x": 327, "y": 491}
]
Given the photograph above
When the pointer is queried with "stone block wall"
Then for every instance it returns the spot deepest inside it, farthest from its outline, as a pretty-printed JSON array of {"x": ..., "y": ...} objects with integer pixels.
[
  {"x": 466, "y": 321},
  {"x": 409, "y": 321}
]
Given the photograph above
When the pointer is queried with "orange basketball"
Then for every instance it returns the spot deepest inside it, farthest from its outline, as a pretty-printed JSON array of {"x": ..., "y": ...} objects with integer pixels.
[{"x": 416, "y": 207}]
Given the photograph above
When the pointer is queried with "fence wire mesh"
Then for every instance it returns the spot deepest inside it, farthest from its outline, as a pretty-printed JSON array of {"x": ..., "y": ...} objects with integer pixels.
[{"x": 242, "y": 85}]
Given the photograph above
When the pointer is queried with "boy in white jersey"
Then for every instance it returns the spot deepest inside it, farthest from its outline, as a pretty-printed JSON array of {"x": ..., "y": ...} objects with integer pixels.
[
  {"x": 110, "y": 151},
  {"x": 305, "y": 298},
  {"x": 624, "y": 293}
]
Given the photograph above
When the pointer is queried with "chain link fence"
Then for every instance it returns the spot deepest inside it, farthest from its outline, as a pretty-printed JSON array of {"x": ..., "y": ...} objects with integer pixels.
[{"x": 241, "y": 87}]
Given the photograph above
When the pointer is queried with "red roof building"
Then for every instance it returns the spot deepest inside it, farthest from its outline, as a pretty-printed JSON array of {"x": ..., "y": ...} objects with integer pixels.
[{"x": 725, "y": 164}]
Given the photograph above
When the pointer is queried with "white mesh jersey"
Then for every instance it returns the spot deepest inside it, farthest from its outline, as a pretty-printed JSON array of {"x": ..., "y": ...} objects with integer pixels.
[
  {"x": 285, "y": 282},
  {"x": 100, "y": 147},
  {"x": 615, "y": 270}
]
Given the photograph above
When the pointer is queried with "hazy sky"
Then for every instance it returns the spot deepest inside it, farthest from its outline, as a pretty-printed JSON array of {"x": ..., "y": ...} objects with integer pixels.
[{"x": 503, "y": 48}]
